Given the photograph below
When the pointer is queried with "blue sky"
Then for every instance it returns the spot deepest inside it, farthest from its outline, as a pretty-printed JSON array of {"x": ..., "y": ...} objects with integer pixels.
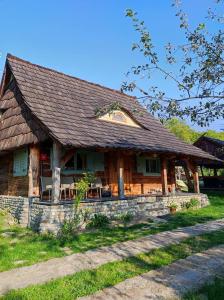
[{"x": 90, "y": 39}]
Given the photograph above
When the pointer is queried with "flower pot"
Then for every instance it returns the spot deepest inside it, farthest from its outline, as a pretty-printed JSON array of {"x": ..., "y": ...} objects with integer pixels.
[{"x": 173, "y": 210}]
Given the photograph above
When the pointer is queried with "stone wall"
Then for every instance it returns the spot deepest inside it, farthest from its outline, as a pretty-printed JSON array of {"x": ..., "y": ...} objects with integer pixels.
[
  {"x": 45, "y": 217},
  {"x": 17, "y": 206},
  {"x": 145, "y": 205}
]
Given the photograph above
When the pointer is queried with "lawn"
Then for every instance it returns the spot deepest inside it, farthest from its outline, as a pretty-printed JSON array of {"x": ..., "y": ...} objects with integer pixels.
[
  {"x": 90, "y": 281},
  {"x": 19, "y": 246},
  {"x": 211, "y": 291}
]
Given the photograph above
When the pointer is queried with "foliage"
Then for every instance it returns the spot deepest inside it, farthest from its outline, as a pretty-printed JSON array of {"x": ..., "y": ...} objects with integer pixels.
[
  {"x": 173, "y": 205},
  {"x": 192, "y": 203},
  {"x": 188, "y": 134},
  {"x": 70, "y": 228},
  {"x": 210, "y": 291},
  {"x": 99, "y": 221},
  {"x": 82, "y": 187},
  {"x": 194, "y": 69},
  {"x": 88, "y": 282},
  {"x": 126, "y": 217}
]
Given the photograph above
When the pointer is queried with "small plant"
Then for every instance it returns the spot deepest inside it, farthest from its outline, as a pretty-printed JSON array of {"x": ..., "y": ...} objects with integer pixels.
[
  {"x": 82, "y": 187},
  {"x": 126, "y": 217},
  {"x": 71, "y": 227},
  {"x": 173, "y": 207},
  {"x": 193, "y": 203},
  {"x": 98, "y": 221}
]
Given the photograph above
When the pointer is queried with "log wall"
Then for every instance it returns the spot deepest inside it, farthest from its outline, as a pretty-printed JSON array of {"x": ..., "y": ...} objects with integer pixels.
[{"x": 10, "y": 185}]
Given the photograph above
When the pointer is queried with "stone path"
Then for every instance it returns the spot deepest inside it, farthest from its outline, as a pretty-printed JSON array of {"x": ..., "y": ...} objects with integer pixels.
[
  {"x": 59, "y": 267},
  {"x": 170, "y": 282}
]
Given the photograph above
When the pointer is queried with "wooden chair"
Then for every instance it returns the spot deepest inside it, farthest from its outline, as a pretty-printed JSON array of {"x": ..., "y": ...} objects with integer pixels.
[
  {"x": 46, "y": 186},
  {"x": 67, "y": 184},
  {"x": 97, "y": 186}
]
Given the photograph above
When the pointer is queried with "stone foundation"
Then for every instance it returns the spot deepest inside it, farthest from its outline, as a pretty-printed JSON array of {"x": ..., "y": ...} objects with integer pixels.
[
  {"x": 17, "y": 206},
  {"x": 45, "y": 217}
]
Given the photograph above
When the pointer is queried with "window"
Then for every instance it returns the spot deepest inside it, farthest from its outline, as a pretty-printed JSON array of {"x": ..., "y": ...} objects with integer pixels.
[
  {"x": 119, "y": 117},
  {"x": 70, "y": 164},
  {"x": 81, "y": 161},
  {"x": 152, "y": 166},
  {"x": 84, "y": 161},
  {"x": 20, "y": 162}
]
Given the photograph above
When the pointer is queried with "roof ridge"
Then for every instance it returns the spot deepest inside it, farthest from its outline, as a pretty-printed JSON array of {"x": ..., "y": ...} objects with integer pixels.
[{"x": 10, "y": 56}]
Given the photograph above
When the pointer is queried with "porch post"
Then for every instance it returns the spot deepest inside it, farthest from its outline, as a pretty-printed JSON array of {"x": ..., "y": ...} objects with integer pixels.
[
  {"x": 120, "y": 169},
  {"x": 56, "y": 170},
  {"x": 194, "y": 169},
  {"x": 196, "y": 179},
  {"x": 173, "y": 178},
  {"x": 34, "y": 170},
  {"x": 164, "y": 176}
]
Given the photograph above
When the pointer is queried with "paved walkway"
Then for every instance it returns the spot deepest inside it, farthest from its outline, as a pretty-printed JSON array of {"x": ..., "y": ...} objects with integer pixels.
[
  {"x": 169, "y": 282},
  {"x": 59, "y": 267}
]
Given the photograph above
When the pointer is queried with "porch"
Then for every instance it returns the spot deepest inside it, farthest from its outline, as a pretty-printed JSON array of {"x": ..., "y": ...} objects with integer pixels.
[{"x": 118, "y": 174}]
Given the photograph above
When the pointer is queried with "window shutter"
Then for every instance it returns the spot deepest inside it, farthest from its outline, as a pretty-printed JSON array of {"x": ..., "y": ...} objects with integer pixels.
[{"x": 20, "y": 162}]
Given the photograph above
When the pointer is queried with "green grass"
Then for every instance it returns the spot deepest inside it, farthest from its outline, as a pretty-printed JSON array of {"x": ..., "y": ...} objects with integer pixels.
[
  {"x": 90, "y": 281},
  {"x": 28, "y": 247},
  {"x": 211, "y": 291}
]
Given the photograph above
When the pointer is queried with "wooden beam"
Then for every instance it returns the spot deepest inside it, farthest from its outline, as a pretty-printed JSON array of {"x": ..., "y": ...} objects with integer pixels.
[
  {"x": 164, "y": 176},
  {"x": 56, "y": 172},
  {"x": 34, "y": 171},
  {"x": 120, "y": 171},
  {"x": 68, "y": 155}
]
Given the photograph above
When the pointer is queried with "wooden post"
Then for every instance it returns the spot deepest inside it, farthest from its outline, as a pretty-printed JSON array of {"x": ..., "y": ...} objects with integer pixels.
[
  {"x": 196, "y": 180},
  {"x": 173, "y": 178},
  {"x": 34, "y": 170},
  {"x": 56, "y": 170},
  {"x": 194, "y": 171},
  {"x": 164, "y": 176},
  {"x": 120, "y": 170}
]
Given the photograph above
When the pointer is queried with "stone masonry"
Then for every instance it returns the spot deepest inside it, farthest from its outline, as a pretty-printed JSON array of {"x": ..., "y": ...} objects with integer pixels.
[
  {"x": 17, "y": 206},
  {"x": 46, "y": 217}
]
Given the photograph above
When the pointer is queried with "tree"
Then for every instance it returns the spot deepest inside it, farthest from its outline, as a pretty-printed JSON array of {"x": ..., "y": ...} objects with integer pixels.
[
  {"x": 199, "y": 70},
  {"x": 182, "y": 130},
  {"x": 188, "y": 134}
]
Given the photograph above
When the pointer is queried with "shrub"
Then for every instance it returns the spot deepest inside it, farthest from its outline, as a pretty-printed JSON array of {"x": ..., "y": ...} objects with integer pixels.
[
  {"x": 98, "y": 221},
  {"x": 70, "y": 228}
]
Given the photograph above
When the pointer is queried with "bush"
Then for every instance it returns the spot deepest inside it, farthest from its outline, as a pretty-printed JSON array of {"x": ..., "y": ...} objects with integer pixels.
[
  {"x": 99, "y": 221},
  {"x": 70, "y": 228}
]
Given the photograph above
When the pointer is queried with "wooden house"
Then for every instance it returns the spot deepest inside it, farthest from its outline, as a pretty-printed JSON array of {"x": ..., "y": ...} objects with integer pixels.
[
  {"x": 58, "y": 127},
  {"x": 212, "y": 172}
]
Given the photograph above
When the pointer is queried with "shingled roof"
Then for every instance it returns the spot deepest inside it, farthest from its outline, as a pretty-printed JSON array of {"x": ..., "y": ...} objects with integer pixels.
[{"x": 65, "y": 109}]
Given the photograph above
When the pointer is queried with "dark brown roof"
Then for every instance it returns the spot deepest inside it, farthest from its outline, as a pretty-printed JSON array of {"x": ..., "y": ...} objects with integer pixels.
[
  {"x": 66, "y": 107},
  {"x": 17, "y": 126},
  {"x": 212, "y": 140}
]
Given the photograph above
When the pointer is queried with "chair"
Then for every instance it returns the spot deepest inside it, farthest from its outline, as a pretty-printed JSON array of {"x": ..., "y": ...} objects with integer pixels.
[
  {"x": 96, "y": 185},
  {"x": 67, "y": 183},
  {"x": 46, "y": 186}
]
